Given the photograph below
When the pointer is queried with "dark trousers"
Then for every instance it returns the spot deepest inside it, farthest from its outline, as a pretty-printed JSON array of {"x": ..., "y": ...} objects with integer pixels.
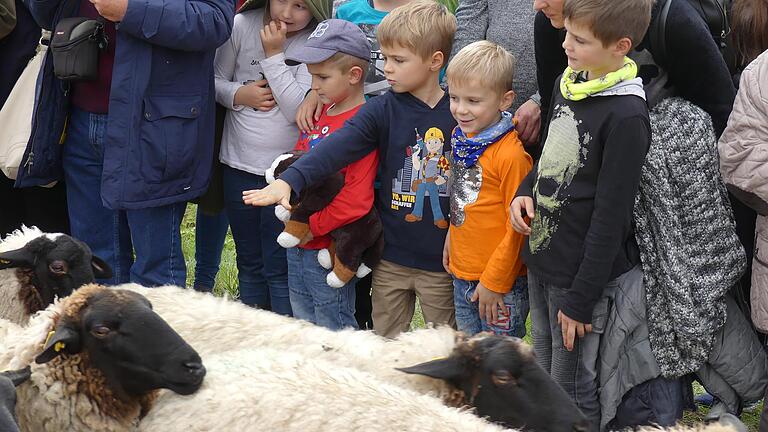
[{"x": 45, "y": 208}]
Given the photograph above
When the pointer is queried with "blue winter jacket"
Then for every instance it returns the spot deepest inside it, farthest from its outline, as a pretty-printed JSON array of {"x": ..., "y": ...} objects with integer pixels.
[{"x": 159, "y": 138}]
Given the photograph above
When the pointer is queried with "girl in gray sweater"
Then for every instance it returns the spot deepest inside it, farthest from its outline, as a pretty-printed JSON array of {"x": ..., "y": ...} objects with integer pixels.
[{"x": 508, "y": 23}]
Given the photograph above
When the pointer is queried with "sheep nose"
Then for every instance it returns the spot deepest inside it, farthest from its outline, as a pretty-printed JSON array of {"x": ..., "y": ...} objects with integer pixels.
[{"x": 195, "y": 368}]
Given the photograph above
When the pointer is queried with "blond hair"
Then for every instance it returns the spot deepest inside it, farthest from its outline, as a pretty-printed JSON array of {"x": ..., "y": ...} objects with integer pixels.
[
  {"x": 423, "y": 26},
  {"x": 345, "y": 62},
  {"x": 485, "y": 62},
  {"x": 611, "y": 20}
]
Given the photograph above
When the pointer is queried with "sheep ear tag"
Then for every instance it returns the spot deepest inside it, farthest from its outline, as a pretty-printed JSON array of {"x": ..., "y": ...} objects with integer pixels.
[
  {"x": 16, "y": 258},
  {"x": 443, "y": 368},
  {"x": 64, "y": 340}
]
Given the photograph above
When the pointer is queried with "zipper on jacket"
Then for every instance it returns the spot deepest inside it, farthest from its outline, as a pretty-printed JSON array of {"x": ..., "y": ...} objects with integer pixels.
[{"x": 30, "y": 158}]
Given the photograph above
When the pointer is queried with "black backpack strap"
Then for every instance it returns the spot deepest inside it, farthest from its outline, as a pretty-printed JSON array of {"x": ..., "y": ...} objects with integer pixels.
[{"x": 659, "y": 33}]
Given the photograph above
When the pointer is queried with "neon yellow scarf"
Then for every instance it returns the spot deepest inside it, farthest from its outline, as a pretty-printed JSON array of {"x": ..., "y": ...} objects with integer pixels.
[{"x": 574, "y": 91}]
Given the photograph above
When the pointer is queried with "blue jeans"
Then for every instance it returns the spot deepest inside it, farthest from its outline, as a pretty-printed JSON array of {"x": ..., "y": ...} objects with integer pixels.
[
  {"x": 210, "y": 232},
  {"x": 511, "y": 322},
  {"x": 311, "y": 297},
  {"x": 113, "y": 235},
  {"x": 434, "y": 199},
  {"x": 262, "y": 270},
  {"x": 575, "y": 371}
]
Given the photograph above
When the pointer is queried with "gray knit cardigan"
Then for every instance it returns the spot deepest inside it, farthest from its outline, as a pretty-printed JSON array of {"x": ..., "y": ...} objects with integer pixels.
[{"x": 686, "y": 233}]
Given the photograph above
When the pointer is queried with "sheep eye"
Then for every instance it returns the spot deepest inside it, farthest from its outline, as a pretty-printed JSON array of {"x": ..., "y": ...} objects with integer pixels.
[
  {"x": 58, "y": 267},
  {"x": 502, "y": 378},
  {"x": 100, "y": 331}
]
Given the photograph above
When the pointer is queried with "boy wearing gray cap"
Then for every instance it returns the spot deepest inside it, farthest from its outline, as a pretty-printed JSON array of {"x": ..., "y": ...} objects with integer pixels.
[{"x": 337, "y": 55}]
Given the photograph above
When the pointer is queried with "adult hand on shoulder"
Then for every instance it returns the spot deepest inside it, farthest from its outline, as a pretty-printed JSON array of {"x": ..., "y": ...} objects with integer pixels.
[
  {"x": 279, "y": 192},
  {"x": 113, "y": 10},
  {"x": 309, "y": 112},
  {"x": 255, "y": 95},
  {"x": 516, "y": 214},
  {"x": 273, "y": 37},
  {"x": 571, "y": 328},
  {"x": 488, "y": 303},
  {"x": 528, "y": 122}
]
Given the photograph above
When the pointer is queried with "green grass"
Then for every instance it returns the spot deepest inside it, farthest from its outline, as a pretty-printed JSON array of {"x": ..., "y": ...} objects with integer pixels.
[{"x": 226, "y": 283}]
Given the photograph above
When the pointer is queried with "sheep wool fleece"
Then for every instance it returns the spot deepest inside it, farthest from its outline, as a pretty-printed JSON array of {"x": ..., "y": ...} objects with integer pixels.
[
  {"x": 686, "y": 235},
  {"x": 268, "y": 390},
  {"x": 213, "y": 325}
]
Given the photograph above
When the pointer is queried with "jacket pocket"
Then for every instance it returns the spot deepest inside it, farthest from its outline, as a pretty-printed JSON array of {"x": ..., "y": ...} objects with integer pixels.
[
  {"x": 169, "y": 135},
  {"x": 759, "y": 291}
]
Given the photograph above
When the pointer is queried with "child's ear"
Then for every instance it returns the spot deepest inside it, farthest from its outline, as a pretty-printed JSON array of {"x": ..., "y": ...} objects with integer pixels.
[
  {"x": 623, "y": 46},
  {"x": 506, "y": 100},
  {"x": 437, "y": 61},
  {"x": 355, "y": 75}
]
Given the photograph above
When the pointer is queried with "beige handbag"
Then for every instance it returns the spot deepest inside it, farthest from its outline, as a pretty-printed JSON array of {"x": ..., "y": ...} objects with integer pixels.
[{"x": 16, "y": 114}]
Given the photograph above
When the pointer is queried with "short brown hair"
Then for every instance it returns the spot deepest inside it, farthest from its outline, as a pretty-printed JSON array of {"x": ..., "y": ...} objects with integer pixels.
[
  {"x": 749, "y": 23},
  {"x": 482, "y": 62},
  {"x": 611, "y": 20},
  {"x": 423, "y": 26},
  {"x": 345, "y": 62}
]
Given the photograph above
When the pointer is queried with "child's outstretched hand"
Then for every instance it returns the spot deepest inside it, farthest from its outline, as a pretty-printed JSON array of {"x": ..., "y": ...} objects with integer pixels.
[
  {"x": 488, "y": 303},
  {"x": 279, "y": 192},
  {"x": 273, "y": 37},
  {"x": 520, "y": 204}
]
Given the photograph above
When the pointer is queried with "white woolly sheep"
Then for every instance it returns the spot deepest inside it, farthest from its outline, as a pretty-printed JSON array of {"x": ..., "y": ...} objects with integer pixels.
[
  {"x": 36, "y": 267},
  {"x": 498, "y": 376},
  {"x": 100, "y": 357},
  {"x": 268, "y": 390}
]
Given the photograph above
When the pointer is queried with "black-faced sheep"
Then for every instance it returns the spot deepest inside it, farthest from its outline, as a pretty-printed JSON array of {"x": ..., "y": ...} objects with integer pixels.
[
  {"x": 267, "y": 390},
  {"x": 100, "y": 357},
  {"x": 213, "y": 326},
  {"x": 36, "y": 267}
]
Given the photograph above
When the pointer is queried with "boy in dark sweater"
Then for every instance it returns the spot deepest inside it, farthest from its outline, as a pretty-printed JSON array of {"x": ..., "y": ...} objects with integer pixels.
[
  {"x": 580, "y": 195},
  {"x": 408, "y": 126}
]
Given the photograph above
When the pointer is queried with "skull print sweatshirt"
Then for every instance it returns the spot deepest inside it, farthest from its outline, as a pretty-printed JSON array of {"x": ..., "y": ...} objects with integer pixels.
[{"x": 584, "y": 189}]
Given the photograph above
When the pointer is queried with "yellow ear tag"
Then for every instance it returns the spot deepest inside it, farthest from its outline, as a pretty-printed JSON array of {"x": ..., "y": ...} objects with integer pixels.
[
  {"x": 58, "y": 346},
  {"x": 4, "y": 261},
  {"x": 48, "y": 338}
]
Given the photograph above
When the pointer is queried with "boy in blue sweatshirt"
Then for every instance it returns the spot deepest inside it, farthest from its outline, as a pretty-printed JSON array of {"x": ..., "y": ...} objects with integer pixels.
[{"x": 415, "y": 40}]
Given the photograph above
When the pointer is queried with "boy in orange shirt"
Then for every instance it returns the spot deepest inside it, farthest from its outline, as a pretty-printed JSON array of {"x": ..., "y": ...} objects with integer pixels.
[{"x": 482, "y": 251}]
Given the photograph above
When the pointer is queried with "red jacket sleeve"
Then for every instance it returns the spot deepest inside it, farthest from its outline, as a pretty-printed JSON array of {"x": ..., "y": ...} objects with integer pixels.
[{"x": 353, "y": 201}]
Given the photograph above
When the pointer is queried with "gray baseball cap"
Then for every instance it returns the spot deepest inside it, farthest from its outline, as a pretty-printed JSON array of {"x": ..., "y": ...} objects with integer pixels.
[{"x": 330, "y": 37}]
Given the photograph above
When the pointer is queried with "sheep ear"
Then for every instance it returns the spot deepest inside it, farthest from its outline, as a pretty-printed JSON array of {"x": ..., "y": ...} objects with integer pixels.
[
  {"x": 101, "y": 270},
  {"x": 446, "y": 368},
  {"x": 64, "y": 340},
  {"x": 17, "y": 258}
]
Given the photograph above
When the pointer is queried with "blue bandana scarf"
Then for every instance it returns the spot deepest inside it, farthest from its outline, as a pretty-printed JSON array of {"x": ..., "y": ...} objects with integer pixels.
[{"x": 467, "y": 151}]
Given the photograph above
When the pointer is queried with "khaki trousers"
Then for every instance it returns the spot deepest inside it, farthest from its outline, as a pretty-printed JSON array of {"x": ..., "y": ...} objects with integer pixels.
[{"x": 394, "y": 290}]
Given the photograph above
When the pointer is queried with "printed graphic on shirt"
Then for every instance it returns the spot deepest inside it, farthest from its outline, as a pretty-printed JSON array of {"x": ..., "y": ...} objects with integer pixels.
[
  {"x": 314, "y": 136},
  {"x": 561, "y": 158},
  {"x": 423, "y": 179},
  {"x": 375, "y": 82},
  {"x": 465, "y": 187}
]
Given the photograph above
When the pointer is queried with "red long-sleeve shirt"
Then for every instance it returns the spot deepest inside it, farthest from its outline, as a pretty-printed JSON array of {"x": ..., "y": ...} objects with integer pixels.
[{"x": 356, "y": 196}]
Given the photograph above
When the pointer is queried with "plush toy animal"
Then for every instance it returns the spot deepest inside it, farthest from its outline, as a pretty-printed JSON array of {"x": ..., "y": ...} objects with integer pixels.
[{"x": 355, "y": 248}]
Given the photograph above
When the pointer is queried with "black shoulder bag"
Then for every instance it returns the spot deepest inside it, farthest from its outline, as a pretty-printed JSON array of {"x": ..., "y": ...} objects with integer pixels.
[{"x": 75, "y": 46}]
